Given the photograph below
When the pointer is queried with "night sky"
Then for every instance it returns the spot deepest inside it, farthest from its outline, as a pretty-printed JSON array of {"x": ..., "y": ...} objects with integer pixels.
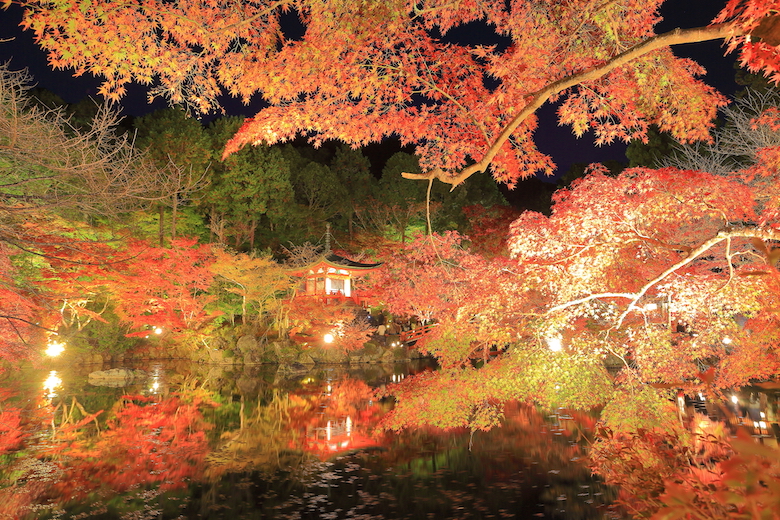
[{"x": 551, "y": 139}]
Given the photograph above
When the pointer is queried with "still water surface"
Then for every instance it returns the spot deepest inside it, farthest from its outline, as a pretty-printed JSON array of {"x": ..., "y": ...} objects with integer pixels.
[{"x": 194, "y": 441}]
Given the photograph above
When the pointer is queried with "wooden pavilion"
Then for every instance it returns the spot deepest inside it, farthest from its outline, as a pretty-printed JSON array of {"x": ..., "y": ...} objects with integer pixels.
[{"x": 330, "y": 278}]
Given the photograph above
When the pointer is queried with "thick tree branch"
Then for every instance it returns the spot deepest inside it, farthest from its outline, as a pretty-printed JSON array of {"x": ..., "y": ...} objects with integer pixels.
[
  {"x": 591, "y": 297},
  {"x": 726, "y": 234},
  {"x": 540, "y": 97}
]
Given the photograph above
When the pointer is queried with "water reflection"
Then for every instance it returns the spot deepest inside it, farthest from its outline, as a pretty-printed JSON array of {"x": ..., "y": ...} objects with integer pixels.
[
  {"x": 51, "y": 384},
  {"x": 189, "y": 441},
  {"x": 753, "y": 410}
]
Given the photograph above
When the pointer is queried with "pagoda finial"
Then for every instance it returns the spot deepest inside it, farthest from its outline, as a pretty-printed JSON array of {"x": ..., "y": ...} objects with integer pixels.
[{"x": 327, "y": 237}]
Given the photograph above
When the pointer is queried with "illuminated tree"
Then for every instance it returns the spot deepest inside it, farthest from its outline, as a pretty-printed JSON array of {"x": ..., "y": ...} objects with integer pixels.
[
  {"x": 163, "y": 287},
  {"x": 52, "y": 171},
  {"x": 47, "y": 164},
  {"x": 465, "y": 107},
  {"x": 257, "y": 279},
  {"x": 671, "y": 274}
]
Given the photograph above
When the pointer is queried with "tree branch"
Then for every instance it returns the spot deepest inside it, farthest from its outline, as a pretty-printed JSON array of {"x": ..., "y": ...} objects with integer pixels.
[
  {"x": 28, "y": 322},
  {"x": 725, "y": 234},
  {"x": 540, "y": 97}
]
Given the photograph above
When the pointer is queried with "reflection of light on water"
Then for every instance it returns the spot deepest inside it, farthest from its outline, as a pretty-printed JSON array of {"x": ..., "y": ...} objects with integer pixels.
[
  {"x": 157, "y": 380},
  {"x": 51, "y": 384}
]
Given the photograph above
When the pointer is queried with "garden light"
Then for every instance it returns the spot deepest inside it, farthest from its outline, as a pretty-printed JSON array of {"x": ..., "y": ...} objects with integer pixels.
[
  {"x": 554, "y": 344},
  {"x": 54, "y": 348},
  {"x": 328, "y": 338}
]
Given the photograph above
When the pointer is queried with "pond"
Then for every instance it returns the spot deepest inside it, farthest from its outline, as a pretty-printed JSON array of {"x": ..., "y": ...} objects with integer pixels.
[{"x": 183, "y": 440}]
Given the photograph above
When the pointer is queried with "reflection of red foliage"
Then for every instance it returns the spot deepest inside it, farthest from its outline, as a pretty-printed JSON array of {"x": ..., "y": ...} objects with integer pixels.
[
  {"x": 10, "y": 430},
  {"x": 146, "y": 442},
  {"x": 341, "y": 418}
]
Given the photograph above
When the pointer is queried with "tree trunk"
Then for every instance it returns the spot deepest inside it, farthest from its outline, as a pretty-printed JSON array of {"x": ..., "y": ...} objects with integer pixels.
[
  {"x": 161, "y": 231},
  {"x": 252, "y": 229},
  {"x": 211, "y": 223},
  {"x": 174, "y": 206}
]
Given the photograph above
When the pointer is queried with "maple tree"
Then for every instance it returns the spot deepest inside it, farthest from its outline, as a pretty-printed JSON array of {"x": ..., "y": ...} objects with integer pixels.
[
  {"x": 670, "y": 473},
  {"x": 164, "y": 287},
  {"x": 311, "y": 319},
  {"x": 50, "y": 272},
  {"x": 69, "y": 275},
  {"x": 488, "y": 228},
  {"x": 670, "y": 274},
  {"x": 465, "y": 107},
  {"x": 257, "y": 279},
  {"x": 53, "y": 176}
]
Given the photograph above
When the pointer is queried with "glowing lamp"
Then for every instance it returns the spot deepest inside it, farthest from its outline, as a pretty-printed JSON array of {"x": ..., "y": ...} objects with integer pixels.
[
  {"x": 734, "y": 399},
  {"x": 158, "y": 330},
  {"x": 554, "y": 344},
  {"x": 54, "y": 348},
  {"x": 328, "y": 338}
]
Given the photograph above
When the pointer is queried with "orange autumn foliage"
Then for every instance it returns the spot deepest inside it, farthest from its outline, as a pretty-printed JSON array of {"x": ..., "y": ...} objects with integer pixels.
[{"x": 333, "y": 75}]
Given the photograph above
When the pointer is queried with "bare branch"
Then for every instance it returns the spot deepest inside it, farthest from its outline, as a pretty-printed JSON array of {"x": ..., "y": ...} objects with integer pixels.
[{"x": 45, "y": 162}]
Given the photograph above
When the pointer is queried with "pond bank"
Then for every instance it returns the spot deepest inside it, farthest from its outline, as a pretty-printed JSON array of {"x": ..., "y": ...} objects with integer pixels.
[{"x": 248, "y": 349}]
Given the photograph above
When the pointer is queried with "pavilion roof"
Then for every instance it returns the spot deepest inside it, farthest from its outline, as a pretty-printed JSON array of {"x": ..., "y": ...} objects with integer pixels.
[{"x": 335, "y": 261}]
